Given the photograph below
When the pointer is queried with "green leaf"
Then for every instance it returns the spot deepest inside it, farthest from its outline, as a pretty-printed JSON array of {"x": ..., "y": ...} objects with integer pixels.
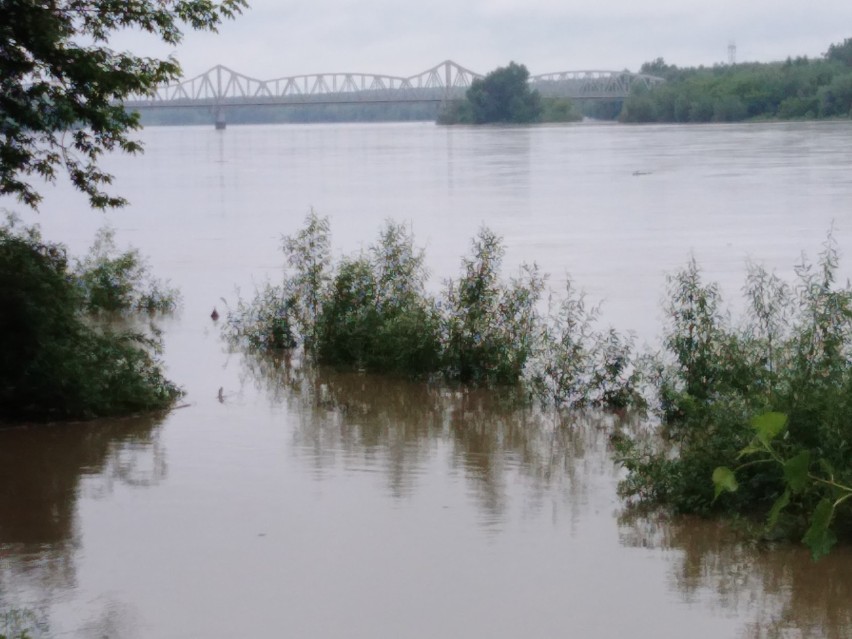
[
  {"x": 768, "y": 426},
  {"x": 724, "y": 480},
  {"x": 819, "y": 537},
  {"x": 796, "y": 471},
  {"x": 827, "y": 467},
  {"x": 754, "y": 447},
  {"x": 779, "y": 505}
]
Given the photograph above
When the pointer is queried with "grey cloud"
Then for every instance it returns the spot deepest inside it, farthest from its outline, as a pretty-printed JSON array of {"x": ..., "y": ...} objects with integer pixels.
[{"x": 383, "y": 36}]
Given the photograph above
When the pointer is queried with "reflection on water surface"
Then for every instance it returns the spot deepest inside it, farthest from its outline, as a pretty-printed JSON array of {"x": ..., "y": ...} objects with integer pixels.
[
  {"x": 44, "y": 471},
  {"x": 777, "y": 587},
  {"x": 537, "y": 484}
]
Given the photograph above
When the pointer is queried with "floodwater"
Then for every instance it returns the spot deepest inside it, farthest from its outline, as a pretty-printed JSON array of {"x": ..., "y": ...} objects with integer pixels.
[{"x": 309, "y": 503}]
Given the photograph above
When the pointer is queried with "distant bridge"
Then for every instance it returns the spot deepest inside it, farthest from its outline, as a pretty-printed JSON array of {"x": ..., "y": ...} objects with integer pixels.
[{"x": 222, "y": 87}]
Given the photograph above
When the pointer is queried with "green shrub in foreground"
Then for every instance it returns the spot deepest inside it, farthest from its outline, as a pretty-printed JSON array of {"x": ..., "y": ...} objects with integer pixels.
[
  {"x": 371, "y": 312},
  {"x": 490, "y": 328},
  {"x": 376, "y": 315},
  {"x": 54, "y": 363},
  {"x": 788, "y": 356},
  {"x": 357, "y": 328},
  {"x": 264, "y": 323},
  {"x": 576, "y": 365},
  {"x": 115, "y": 281}
]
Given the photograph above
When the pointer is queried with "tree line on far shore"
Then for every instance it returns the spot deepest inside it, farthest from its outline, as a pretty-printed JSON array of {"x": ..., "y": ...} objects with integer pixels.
[{"x": 798, "y": 88}]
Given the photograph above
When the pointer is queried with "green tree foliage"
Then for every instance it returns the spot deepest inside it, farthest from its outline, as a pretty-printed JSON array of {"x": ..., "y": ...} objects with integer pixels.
[
  {"x": 796, "y": 88},
  {"x": 502, "y": 96},
  {"x": 576, "y": 365},
  {"x": 54, "y": 362},
  {"x": 61, "y": 84},
  {"x": 762, "y": 406},
  {"x": 799, "y": 476},
  {"x": 115, "y": 281},
  {"x": 280, "y": 315},
  {"x": 560, "y": 110},
  {"x": 659, "y": 68},
  {"x": 841, "y": 52}
]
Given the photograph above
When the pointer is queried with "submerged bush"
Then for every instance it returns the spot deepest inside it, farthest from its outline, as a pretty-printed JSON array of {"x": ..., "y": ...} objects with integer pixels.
[
  {"x": 53, "y": 362},
  {"x": 371, "y": 312},
  {"x": 490, "y": 328},
  {"x": 115, "y": 281},
  {"x": 789, "y": 356},
  {"x": 265, "y": 322},
  {"x": 376, "y": 315},
  {"x": 577, "y": 365},
  {"x": 308, "y": 257}
]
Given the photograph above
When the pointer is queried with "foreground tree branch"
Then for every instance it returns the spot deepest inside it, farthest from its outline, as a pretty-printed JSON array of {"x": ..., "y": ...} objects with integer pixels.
[{"x": 61, "y": 85}]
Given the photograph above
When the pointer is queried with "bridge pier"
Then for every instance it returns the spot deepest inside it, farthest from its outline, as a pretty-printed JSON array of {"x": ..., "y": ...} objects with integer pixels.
[{"x": 220, "y": 119}]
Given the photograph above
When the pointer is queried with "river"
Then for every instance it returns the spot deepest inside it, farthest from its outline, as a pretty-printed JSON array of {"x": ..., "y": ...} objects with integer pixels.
[{"x": 320, "y": 504}]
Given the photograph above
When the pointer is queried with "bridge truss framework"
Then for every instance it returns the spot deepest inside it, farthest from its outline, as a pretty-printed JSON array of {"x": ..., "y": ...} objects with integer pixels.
[{"x": 222, "y": 87}]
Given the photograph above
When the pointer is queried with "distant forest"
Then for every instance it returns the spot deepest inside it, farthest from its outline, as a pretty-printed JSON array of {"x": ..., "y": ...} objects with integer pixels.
[{"x": 800, "y": 88}]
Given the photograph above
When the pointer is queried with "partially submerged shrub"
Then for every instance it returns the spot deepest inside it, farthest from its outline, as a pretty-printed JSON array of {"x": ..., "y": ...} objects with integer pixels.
[
  {"x": 115, "y": 281},
  {"x": 577, "y": 365},
  {"x": 349, "y": 320},
  {"x": 53, "y": 363},
  {"x": 616, "y": 378},
  {"x": 560, "y": 110},
  {"x": 490, "y": 328},
  {"x": 308, "y": 257},
  {"x": 790, "y": 356},
  {"x": 561, "y": 369},
  {"x": 376, "y": 315},
  {"x": 371, "y": 312},
  {"x": 265, "y": 322}
]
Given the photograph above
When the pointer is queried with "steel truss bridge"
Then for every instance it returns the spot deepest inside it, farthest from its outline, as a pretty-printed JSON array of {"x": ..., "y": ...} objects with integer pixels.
[{"x": 221, "y": 87}]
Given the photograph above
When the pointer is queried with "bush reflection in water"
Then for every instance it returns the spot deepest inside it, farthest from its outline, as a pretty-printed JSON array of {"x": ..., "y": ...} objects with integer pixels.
[
  {"x": 44, "y": 469},
  {"x": 777, "y": 588},
  {"x": 362, "y": 417}
]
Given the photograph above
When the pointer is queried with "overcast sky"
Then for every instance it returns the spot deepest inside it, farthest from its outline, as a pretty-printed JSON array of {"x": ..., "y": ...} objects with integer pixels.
[{"x": 276, "y": 38}]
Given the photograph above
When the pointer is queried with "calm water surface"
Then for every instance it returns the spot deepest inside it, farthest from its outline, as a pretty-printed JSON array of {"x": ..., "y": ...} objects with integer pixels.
[{"x": 314, "y": 504}]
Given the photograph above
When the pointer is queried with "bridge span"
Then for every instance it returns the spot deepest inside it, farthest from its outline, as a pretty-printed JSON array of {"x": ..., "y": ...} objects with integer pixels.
[{"x": 221, "y": 87}]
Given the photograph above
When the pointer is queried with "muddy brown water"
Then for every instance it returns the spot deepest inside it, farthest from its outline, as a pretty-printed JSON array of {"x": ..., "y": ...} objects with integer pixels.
[{"x": 310, "y": 503}]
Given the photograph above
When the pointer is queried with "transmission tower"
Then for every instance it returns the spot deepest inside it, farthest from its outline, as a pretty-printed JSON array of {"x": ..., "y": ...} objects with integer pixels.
[{"x": 732, "y": 52}]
